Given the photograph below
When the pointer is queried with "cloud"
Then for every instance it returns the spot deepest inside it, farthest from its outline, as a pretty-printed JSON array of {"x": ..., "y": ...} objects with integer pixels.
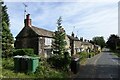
[
  {"x": 98, "y": 22},
  {"x": 89, "y": 18},
  {"x": 61, "y": 0}
]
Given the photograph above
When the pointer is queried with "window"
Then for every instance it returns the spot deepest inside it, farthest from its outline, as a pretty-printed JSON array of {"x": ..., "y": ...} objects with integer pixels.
[{"x": 48, "y": 41}]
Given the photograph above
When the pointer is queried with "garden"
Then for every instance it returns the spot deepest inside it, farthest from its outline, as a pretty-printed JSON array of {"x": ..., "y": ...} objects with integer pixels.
[
  {"x": 44, "y": 69},
  {"x": 57, "y": 66}
]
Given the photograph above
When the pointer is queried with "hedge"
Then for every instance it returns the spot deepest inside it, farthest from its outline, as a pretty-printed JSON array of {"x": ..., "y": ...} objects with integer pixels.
[{"x": 24, "y": 51}]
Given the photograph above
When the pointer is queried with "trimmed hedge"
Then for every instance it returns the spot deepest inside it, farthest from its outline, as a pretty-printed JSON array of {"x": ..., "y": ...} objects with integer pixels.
[{"x": 25, "y": 51}]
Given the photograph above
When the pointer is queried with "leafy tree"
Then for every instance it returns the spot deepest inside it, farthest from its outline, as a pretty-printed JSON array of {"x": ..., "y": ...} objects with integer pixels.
[
  {"x": 91, "y": 42},
  {"x": 99, "y": 41},
  {"x": 7, "y": 37},
  {"x": 113, "y": 42},
  {"x": 59, "y": 42}
]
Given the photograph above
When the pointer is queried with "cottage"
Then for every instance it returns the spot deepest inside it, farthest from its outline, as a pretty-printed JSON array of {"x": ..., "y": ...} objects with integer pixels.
[
  {"x": 74, "y": 44},
  {"x": 68, "y": 44},
  {"x": 36, "y": 38},
  {"x": 97, "y": 48},
  {"x": 86, "y": 46},
  {"x": 41, "y": 40}
]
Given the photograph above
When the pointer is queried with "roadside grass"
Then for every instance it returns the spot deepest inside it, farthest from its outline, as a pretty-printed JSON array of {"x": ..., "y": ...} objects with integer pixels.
[
  {"x": 84, "y": 55},
  {"x": 83, "y": 61},
  {"x": 43, "y": 71},
  {"x": 117, "y": 54}
]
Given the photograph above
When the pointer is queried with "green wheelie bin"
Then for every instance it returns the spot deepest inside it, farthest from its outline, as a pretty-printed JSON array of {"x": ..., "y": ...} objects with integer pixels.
[
  {"x": 33, "y": 64},
  {"x": 17, "y": 63}
]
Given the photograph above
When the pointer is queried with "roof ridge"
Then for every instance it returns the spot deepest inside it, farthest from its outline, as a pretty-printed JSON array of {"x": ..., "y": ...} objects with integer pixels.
[
  {"x": 42, "y": 32},
  {"x": 42, "y": 29}
]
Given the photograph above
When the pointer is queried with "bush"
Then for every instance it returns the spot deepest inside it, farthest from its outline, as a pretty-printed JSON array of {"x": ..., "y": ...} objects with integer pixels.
[
  {"x": 61, "y": 62},
  {"x": 45, "y": 71},
  {"x": 22, "y": 52},
  {"x": 6, "y": 53},
  {"x": 83, "y": 55},
  {"x": 86, "y": 55},
  {"x": 7, "y": 63}
]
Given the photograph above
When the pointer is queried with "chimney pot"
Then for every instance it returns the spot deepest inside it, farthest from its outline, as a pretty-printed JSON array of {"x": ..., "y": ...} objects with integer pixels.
[
  {"x": 28, "y": 16},
  {"x": 28, "y": 21}
]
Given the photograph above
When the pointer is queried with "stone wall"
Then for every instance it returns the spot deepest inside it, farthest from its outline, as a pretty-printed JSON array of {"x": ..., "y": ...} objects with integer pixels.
[{"x": 27, "y": 42}]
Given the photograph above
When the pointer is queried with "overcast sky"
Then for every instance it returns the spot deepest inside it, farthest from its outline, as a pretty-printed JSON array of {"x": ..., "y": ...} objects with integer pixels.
[{"x": 90, "y": 18}]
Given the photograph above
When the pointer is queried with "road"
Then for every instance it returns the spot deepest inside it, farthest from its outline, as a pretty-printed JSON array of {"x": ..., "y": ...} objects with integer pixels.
[{"x": 103, "y": 65}]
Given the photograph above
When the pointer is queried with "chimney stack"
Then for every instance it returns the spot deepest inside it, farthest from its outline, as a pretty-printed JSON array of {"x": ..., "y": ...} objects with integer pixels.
[
  {"x": 28, "y": 21},
  {"x": 81, "y": 39},
  {"x": 85, "y": 40},
  {"x": 72, "y": 34}
]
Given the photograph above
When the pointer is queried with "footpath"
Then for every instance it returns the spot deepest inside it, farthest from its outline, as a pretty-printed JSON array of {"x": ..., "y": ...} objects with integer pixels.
[{"x": 87, "y": 70}]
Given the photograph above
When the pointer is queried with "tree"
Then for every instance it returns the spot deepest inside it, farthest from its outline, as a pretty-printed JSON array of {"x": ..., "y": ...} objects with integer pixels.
[
  {"x": 7, "y": 37},
  {"x": 113, "y": 42},
  {"x": 91, "y": 42},
  {"x": 61, "y": 59},
  {"x": 99, "y": 41},
  {"x": 59, "y": 42}
]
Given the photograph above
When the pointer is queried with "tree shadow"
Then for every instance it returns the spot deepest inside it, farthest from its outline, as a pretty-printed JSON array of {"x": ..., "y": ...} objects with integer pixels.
[{"x": 118, "y": 59}]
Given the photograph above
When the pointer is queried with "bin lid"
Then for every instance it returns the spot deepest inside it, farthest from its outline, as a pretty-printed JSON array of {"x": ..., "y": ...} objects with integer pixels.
[
  {"x": 25, "y": 56},
  {"x": 76, "y": 59},
  {"x": 34, "y": 57},
  {"x": 17, "y": 56}
]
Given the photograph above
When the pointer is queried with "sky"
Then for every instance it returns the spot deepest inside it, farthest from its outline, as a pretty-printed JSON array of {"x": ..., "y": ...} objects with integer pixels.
[{"x": 85, "y": 18}]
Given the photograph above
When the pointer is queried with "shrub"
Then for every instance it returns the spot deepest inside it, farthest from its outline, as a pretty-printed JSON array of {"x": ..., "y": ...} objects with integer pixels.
[
  {"x": 25, "y": 51},
  {"x": 83, "y": 55},
  {"x": 60, "y": 61},
  {"x": 45, "y": 71},
  {"x": 6, "y": 53},
  {"x": 7, "y": 63}
]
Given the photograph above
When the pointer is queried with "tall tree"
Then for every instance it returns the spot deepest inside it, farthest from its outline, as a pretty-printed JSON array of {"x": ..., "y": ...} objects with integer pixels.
[
  {"x": 59, "y": 38},
  {"x": 7, "y": 37},
  {"x": 99, "y": 41},
  {"x": 113, "y": 42}
]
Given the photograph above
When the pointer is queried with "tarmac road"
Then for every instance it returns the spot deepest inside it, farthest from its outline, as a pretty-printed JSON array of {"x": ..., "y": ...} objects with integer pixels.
[{"x": 103, "y": 65}]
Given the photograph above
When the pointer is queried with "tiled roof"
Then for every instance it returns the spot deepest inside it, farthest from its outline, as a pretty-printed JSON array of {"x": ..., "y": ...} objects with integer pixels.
[
  {"x": 42, "y": 32},
  {"x": 34, "y": 31}
]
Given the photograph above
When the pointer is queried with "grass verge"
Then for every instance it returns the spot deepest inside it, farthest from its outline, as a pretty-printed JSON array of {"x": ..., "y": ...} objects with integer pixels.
[
  {"x": 117, "y": 54},
  {"x": 43, "y": 71}
]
